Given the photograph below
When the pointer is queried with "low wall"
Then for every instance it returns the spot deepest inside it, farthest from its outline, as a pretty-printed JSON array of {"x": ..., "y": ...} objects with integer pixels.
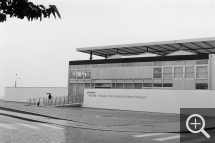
[
  {"x": 165, "y": 101},
  {"x": 21, "y": 94}
]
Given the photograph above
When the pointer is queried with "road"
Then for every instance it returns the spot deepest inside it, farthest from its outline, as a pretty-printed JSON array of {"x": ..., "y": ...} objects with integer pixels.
[{"x": 13, "y": 130}]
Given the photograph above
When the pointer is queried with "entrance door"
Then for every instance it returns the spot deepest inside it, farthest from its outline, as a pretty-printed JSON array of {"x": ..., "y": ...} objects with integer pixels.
[{"x": 80, "y": 92}]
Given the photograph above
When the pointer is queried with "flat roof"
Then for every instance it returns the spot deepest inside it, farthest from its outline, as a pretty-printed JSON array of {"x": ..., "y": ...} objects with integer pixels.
[
  {"x": 141, "y": 59},
  {"x": 198, "y": 46}
]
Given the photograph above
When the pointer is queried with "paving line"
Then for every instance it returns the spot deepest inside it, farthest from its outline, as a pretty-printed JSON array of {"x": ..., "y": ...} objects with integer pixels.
[
  {"x": 148, "y": 135},
  {"x": 167, "y": 138},
  {"x": 197, "y": 140},
  {"x": 54, "y": 127},
  {"x": 7, "y": 126},
  {"x": 29, "y": 126}
]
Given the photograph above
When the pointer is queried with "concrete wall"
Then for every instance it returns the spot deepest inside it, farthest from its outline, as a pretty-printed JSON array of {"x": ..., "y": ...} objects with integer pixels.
[
  {"x": 212, "y": 71},
  {"x": 21, "y": 94},
  {"x": 165, "y": 101}
]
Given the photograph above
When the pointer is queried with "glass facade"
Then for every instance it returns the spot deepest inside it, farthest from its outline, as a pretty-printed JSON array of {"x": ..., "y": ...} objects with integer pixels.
[{"x": 188, "y": 74}]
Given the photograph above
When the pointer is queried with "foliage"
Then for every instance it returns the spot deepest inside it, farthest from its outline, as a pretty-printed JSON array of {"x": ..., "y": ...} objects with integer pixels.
[{"x": 23, "y": 8}]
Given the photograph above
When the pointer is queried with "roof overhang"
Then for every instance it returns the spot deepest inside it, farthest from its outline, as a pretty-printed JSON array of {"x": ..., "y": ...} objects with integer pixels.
[{"x": 198, "y": 46}]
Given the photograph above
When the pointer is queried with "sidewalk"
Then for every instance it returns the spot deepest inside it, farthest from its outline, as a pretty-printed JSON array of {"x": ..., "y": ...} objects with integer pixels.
[{"x": 99, "y": 119}]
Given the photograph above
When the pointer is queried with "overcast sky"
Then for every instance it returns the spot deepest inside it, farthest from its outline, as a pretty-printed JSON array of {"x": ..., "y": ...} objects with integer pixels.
[{"x": 39, "y": 52}]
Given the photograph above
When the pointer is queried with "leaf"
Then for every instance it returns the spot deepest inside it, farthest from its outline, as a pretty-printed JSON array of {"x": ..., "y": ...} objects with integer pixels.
[
  {"x": 56, "y": 10},
  {"x": 48, "y": 12},
  {"x": 53, "y": 12},
  {"x": 2, "y": 17},
  {"x": 42, "y": 7},
  {"x": 28, "y": 17}
]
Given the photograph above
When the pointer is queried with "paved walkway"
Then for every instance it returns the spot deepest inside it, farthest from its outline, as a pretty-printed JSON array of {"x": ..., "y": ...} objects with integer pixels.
[{"x": 101, "y": 119}]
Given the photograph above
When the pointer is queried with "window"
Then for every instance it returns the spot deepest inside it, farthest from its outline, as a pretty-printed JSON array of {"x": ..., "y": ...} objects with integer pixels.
[
  {"x": 128, "y": 85},
  {"x": 138, "y": 85},
  {"x": 147, "y": 83},
  {"x": 167, "y": 72},
  {"x": 178, "y": 72},
  {"x": 87, "y": 74},
  {"x": 73, "y": 74},
  {"x": 201, "y": 84},
  {"x": 80, "y": 74},
  {"x": 157, "y": 83},
  {"x": 157, "y": 73},
  {"x": 201, "y": 72},
  {"x": 167, "y": 83},
  {"x": 103, "y": 85},
  {"x": 119, "y": 85},
  {"x": 189, "y": 72}
]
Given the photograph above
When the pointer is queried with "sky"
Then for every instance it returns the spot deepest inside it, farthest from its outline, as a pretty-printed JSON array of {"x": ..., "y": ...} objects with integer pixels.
[{"x": 39, "y": 52}]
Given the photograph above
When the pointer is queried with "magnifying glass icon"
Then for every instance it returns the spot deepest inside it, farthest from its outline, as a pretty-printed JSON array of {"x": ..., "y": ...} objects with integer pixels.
[{"x": 196, "y": 123}]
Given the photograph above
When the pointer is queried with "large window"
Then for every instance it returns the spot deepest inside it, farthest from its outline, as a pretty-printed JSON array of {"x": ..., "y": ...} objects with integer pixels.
[
  {"x": 72, "y": 74},
  {"x": 202, "y": 72},
  {"x": 157, "y": 72},
  {"x": 80, "y": 74},
  {"x": 87, "y": 74}
]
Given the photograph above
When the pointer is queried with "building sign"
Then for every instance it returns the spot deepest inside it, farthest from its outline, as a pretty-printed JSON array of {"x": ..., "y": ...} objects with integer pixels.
[
  {"x": 121, "y": 96},
  {"x": 165, "y": 101}
]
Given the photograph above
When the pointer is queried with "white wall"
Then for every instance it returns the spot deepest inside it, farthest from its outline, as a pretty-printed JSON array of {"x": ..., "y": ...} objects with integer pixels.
[
  {"x": 21, "y": 94},
  {"x": 212, "y": 71},
  {"x": 165, "y": 101}
]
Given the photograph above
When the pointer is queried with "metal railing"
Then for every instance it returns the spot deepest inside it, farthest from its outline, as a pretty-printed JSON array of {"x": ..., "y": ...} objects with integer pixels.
[{"x": 57, "y": 100}]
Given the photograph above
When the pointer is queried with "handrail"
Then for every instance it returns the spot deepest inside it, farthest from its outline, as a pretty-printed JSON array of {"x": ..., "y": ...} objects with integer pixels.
[{"x": 56, "y": 100}]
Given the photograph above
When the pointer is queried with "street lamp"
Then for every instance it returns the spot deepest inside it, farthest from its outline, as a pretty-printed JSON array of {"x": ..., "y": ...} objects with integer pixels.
[{"x": 16, "y": 79}]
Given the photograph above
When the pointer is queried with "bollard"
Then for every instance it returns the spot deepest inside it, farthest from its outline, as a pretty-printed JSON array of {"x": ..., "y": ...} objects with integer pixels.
[{"x": 60, "y": 101}]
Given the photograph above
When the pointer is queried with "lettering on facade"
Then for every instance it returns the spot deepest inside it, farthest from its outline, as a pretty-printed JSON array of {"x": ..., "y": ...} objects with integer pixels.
[{"x": 93, "y": 94}]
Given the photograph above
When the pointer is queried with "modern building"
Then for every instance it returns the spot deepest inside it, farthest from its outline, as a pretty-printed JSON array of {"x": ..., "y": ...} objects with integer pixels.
[{"x": 157, "y": 77}]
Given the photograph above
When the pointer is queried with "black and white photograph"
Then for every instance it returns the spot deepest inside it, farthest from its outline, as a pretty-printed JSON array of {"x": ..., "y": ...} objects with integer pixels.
[{"x": 107, "y": 71}]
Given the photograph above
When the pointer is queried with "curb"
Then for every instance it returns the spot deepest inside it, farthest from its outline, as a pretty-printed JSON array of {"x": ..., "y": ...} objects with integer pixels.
[{"x": 37, "y": 114}]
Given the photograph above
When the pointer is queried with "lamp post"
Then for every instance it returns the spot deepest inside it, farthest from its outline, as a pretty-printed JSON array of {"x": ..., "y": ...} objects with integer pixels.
[{"x": 16, "y": 79}]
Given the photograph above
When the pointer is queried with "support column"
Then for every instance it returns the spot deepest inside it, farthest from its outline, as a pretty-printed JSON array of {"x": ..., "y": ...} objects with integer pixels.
[{"x": 91, "y": 55}]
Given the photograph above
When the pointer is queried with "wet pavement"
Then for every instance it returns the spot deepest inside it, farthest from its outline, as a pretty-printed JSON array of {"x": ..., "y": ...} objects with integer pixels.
[{"x": 96, "y": 119}]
